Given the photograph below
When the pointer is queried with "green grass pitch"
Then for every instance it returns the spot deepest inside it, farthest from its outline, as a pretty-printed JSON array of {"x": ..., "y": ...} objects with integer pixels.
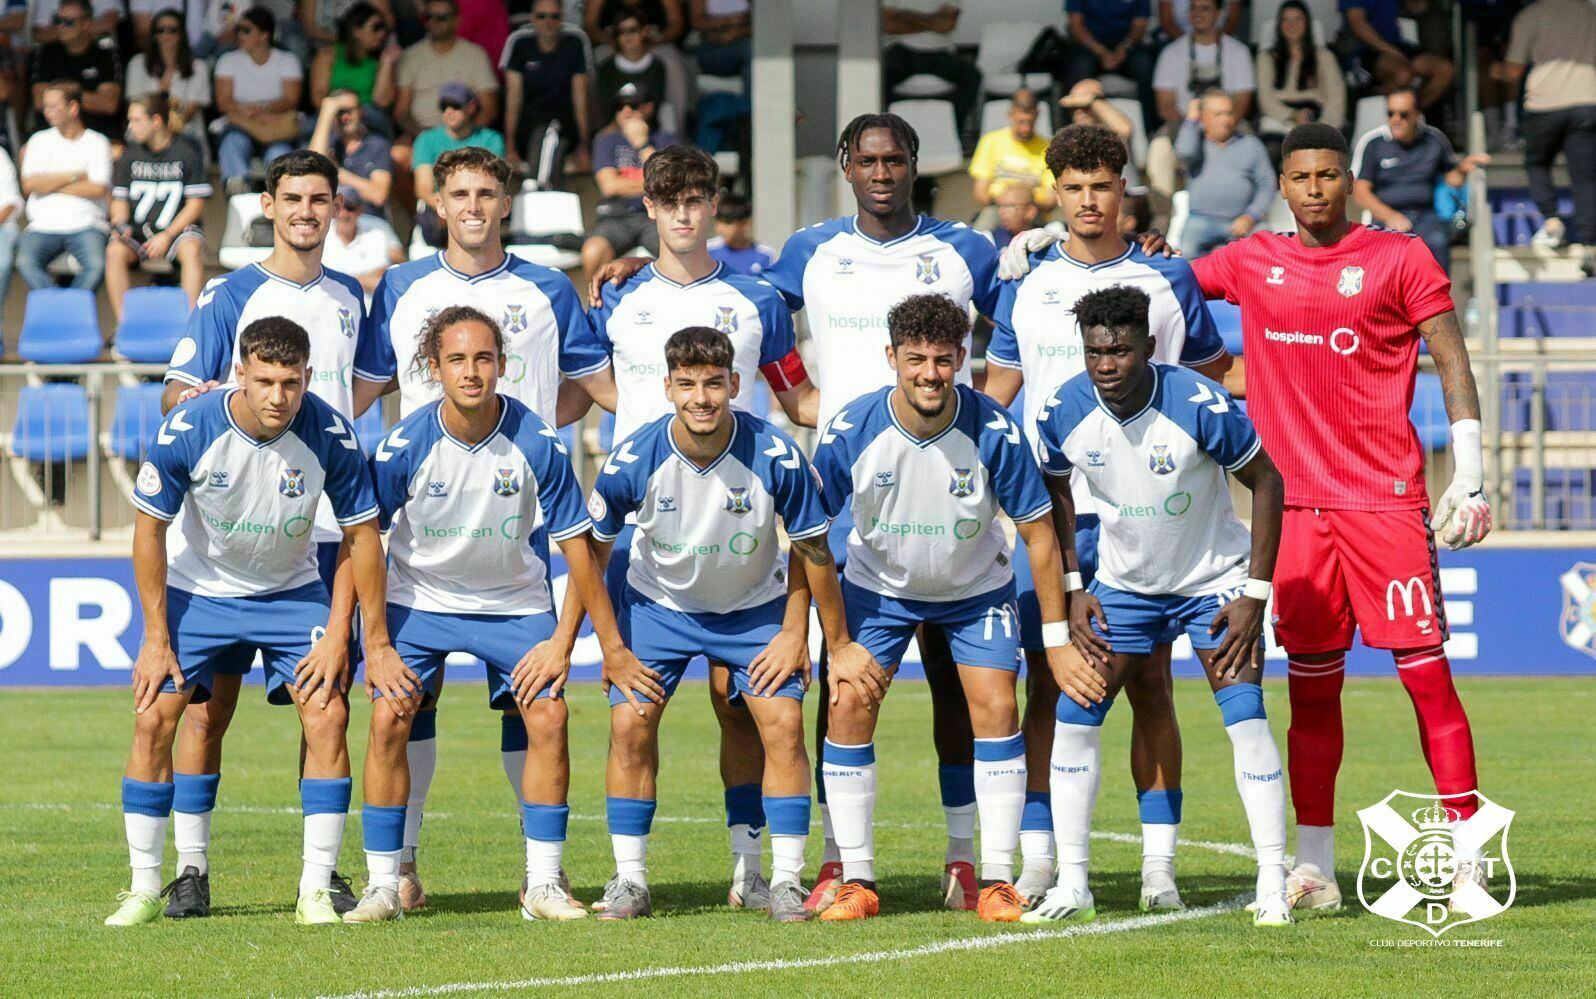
[{"x": 63, "y": 859}]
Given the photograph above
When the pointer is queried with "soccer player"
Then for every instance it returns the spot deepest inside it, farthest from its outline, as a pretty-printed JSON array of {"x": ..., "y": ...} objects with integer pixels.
[
  {"x": 927, "y": 466},
  {"x": 245, "y": 468},
  {"x": 1037, "y": 344},
  {"x": 1154, "y": 443},
  {"x": 301, "y": 202},
  {"x": 686, "y": 287},
  {"x": 706, "y": 487},
  {"x": 471, "y": 489},
  {"x": 158, "y": 193}
]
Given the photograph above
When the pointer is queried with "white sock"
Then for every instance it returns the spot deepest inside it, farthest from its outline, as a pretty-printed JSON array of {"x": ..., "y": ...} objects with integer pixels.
[
  {"x": 850, "y": 776},
  {"x": 324, "y": 837},
  {"x": 961, "y": 833},
  {"x": 1316, "y": 848},
  {"x": 1158, "y": 851},
  {"x": 786, "y": 858},
  {"x": 1262, "y": 786},
  {"x": 514, "y": 761},
  {"x": 631, "y": 858},
  {"x": 382, "y": 868},
  {"x": 423, "y": 760},
  {"x": 543, "y": 861},
  {"x": 1000, "y": 800},
  {"x": 146, "y": 847},
  {"x": 747, "y": 846},
  {"x": 1036, "y": 845},
  {"x": 191, "y": 834},
  {"x": 829, "y": 854},
  {"x": 1076, "y": 766}
]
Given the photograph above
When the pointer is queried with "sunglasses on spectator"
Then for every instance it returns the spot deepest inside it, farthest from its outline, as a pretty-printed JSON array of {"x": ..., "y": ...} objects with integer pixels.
[
  {"x": 439, "y": 18},
  {"x": 633, "y": 30},
  {"x": 632, "y": 105},
  {"x": 168, "y": 29},
  {"x": 452, "y": 106},
  {"x": 68, "y": 22},
  {"x": 246, "y": 29},
  {"x": 378, "y": 26},
  {"x": 546, "y": 16},
  {"x": 1401, "y": 114}
]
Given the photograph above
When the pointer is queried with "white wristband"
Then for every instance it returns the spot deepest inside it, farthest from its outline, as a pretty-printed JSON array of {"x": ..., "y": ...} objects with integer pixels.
[
  {"x": 1055, "y": 634},
  {"x": 1072, "y": 582},
  {"x": 1468, "y": 462},
  {"x": 1258, "y": 589}
]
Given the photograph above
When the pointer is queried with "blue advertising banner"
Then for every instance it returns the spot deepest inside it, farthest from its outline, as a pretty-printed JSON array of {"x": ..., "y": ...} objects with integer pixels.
[{"x": 66, "y": 622}]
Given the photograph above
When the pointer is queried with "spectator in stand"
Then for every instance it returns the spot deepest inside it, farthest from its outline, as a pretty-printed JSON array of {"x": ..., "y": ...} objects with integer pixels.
[
  {"x": 457, "y": 103},
  {"x": 158, "y": 193},
  {"x": 322, "y": 21},
  {"x": 441, "y": 58},
  {"x": 665, "y": 26},
  {"x": 1013, "y": 156},
  {"x": 1174, "y": 19},
  {"x": 487, "y": 23},
  {"x": 359, "y": 243},
  {"x": 632, "y": 63},
  {"x": 548, "y": 80},
  {"x": 920, "y": 40},
  {"x": 10, "y": 221},
  {"x": 89, "y": 61},
  {"x": 219, "y": 27},
  {"x": 1395, "y": 62},
  {"x": 725, "y": 35},
  {"x": 1228, "y": 175},
  {"x": 1203, "y": 60},
  {"x": 1107, "y": 37},
  {"x": 365, "y": 160},
  {"x": 1017, "y": 211},
  {"x": 1555, "y": 40},
  {"x": 619, "y": 152},
  {"x": 362, "y": 61},
  {"x": 258, "y": 88},
  {"x": 167, "y": 66},
  {"x": 733, "y": 243},
  {"x": 1397, "y": 168},
  {"x": 66, "y": 174},
  {"x": 1299, "y": 80},
  {"x": 104, "y": 16}
]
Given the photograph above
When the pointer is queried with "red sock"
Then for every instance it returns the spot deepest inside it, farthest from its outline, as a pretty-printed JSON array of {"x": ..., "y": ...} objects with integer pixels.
[
  {"x": 1313, "y": 740},
  {"x": 1444, "y": 733}
]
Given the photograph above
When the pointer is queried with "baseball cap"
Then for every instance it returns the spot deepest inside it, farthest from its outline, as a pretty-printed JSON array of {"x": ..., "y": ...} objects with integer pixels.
[
  {"x": 456, "y": 92},
  {"x": 351, "y": 197},
  {"x": 633, "y": 94}
]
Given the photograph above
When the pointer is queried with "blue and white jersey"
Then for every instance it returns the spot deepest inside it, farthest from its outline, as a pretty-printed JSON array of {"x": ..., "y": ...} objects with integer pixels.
[
  {"x": 848, "y": 282},
  {"x": 469, "y": 525},
  {"x": 1158, "y": 481},
  {"x": 247, "y": 505},
  {"x": 925, "y": 511},
  {"x": 1037, "y": 333},
  {"x": 535, "y": 306},
  {"x": 706, "y": 539},
  {"x": 639, "y": 316}
]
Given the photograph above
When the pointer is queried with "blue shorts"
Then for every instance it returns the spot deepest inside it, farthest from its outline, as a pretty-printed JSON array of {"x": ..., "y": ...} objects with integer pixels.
[
  {"x": 326, "y": 567},
  {"x": 212, "y": 635},
  {"x": 667, "y": 640},
  {"x": 424, "y": 639},
  {"x": 1087, "y": 528},
  {"x": 1136, "y": 623},
  {"x": 982, "y": 630}
]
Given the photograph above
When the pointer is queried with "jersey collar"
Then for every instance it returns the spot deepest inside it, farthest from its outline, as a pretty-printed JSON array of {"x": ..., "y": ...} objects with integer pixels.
[
  {"x": 919, "y": 223},
  {"x": 1151, "y": 397},
  {"x": 504, "y": 410},
  {"x": 714, "y": 275},
  {"x": 692, "y": 466},
  {"x": 958, "y": 402},
  {"x": 491, "y": 272},
  {"x": 256, "y": 443},
  {"x": 313, "y": 282},
  {"x": 1101, "y": 264}
]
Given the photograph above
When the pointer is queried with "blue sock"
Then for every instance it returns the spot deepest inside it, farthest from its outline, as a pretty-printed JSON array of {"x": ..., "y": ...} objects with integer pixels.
[
  {"x": 512, "y": 734},
  {"x": 630, "y": 816},
  {"x": 957, "y": 781},
  {"x": 546, "y": 823},
  {"x": 744, "y": 806},
  {"x": 425, "y": 726},
  {"x": 150, "y": 798},
  {"x": 1038, "y": 814},
  {"x": 383, "y": 827},
  {"x": 195, "y": 793},
  {"x": 1161, "y": 807}
]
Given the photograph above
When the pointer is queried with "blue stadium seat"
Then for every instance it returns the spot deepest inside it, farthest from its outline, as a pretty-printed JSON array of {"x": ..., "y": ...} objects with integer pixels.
[
  {"x": 1428, "y": 412},
  {"x": 52, "y": 423},
  {"x": 1536, "y": 321},
  {"x": 1571, "y": 400},
  {"x": 1228, "y": 318},
  {"x": 153, "y": 319},
  {"x": 1570, "y": 498},
  {"x": 133, "y": 424},
  {"x": 59, "y": 326},
  {"x": 1558, "y": 294},
  {"x": 369, "y": 427},
  {"x": 1515, "y": 401}
]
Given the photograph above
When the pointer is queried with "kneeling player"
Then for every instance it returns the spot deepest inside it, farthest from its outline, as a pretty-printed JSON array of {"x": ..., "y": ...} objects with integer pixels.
[
  {"x": 245, "y": 468},
  {"x": 471, "y": 488},
  {"x": 929, "y": 466},
  {"x": 1154, "y": 443},
  {"x": 708, "y": 485}
]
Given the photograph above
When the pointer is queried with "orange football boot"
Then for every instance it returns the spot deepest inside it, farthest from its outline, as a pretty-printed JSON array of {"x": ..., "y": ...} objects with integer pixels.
[
  {"x": 1000, "y": 903},
  {"x": 854, "y": 901}
]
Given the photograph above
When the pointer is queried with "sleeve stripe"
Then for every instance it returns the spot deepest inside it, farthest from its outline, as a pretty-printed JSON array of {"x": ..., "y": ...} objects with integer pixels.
[
  {"x": 358, "y": 518},
  {"x": 590, "y": 370},
  {"x": 597, "y": 533},
  {"x": 814, "y": 532},
  {"x": 1252, "y": 452},
  {"x": 1003, "y": 362},
  {"x": 367, "y": 376},
  {"x": 157, "y": 514},
  {"x": 574, "y": 531},
  {"x": 174, "y": 375},
  {"x": 1037, "y": 514},
  {"x": 1059, "y": 474}
]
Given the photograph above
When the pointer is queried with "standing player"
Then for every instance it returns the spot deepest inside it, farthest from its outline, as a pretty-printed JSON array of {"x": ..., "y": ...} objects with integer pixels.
[
  {"x": 927, "y": 467},
  {"x": 1037, "y": 344},
  {"x": 158, "y": 193},
  {"x": 301, "y": 202},
  {"x": 686, "y": 287},
  {"x": 246, "y": 468},
  {"x": 707, "y": 486},
  {"x": 472, "y": 488},
  {"x": 1154, "y": 443}
]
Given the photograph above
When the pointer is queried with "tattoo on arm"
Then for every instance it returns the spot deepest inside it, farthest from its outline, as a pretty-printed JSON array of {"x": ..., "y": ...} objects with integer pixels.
[
  {"x": 814, "y": 549},
  {"x": 1451, "y": 354}
]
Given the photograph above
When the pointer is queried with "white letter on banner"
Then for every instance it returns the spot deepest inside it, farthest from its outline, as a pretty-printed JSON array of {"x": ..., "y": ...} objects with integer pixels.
[
  {"x": 69, "y": 630},
  {"x": 16, "y": 624}
]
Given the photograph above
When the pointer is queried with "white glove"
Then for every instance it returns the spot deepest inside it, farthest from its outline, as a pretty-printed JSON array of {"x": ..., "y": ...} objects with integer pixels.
[
  {"x": 1463, "y": 516},
  {"x": 1015, "y": 261}
]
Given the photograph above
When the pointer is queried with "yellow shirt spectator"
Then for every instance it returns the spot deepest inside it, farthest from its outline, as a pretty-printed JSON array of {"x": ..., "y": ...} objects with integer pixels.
[{"x": 1013, "y": 155}]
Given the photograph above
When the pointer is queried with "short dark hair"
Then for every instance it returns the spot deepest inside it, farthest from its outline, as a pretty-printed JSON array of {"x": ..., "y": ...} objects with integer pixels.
[
  {"x": 678, "y": 171},
  {"x": 698, "y": 347},
  {"x": 1085, "y": 148},
  {"x": 470, "y": 158},
  {"x": 1118, "y": 307},
  {"x": 275, "y": 340},
  {"x": 83, "y": 5},
  {"x": 301, "y": 163},
  {"x": 155, "y": 104},
  {"x": 71, "y": 91},
  {"x": 902, "y": 132},
  {"x": 263, "y": 19},
  {"x": 430, "y": 345},
  {"x": 734, "y": 208},
  {"x": 930, "y": 318},
  {"x": 1314, "y": 135}
]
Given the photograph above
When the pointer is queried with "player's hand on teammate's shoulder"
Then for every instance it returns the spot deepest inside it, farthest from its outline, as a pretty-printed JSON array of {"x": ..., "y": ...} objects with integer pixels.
[
  {"x": 155, "y": 663},
  {"x": 545, "y": 665},
  {"x": 386, "y": 673},
  {"x": 1015, "y": 260},
  {"x": 195, "y": 391},
  {"x": 1086, "y": 621},
  {"x": 616, "y": 272},
  {"x": 852, "y": 664},
  {"x": 1075, "y": 676},
  {"x": 624, "y": 670},
  {"x": 787, "y": 655},
  {"x": 1242, "y": 621},
  {"x": 324, "y": 668}
]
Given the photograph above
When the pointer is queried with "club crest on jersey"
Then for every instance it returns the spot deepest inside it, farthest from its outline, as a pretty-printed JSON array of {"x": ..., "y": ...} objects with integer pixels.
[
  {"x": 962, "y": 482},
  {"x": 725, "y": 319},
  {"x": 346, "y": 323},
  {"x": 1351, "y": 281},
  {"x": 926, "y": 270},
  {"x": 1160, "y": 460},
  {"x": 737, "y": 500},
  {"x": 514, "y": 319},
  {"x": 437, "y": 488},
  {"x": 505, "y": 483},
  {"x": 291, "y": 482}
]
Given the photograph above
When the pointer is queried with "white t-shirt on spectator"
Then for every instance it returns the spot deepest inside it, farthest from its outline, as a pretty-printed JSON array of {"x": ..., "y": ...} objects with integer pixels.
[
  {"x": 925, "y": 41},
  {"x": 370, "y": 249},
  {"x": 51, "y": 152},
  {"x": 254, "y": 83},
  {"x": 1174, "y": 69},
  {"x": 10, "y": 191}
]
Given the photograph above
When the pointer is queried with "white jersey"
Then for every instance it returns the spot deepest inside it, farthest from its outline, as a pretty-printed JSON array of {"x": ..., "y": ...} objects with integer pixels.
[
  {"x": 535, "y": 306},
  {"x": 848, "y": 282},
  {"x": 925, "y": 511},
  {"x": 246, "y": 505},
  {"x": 1158, "y": 479},
  {"x": 639, "y": 316},
  {"x": 469, "y": 525},
  {"x": 706, "y": 538}
]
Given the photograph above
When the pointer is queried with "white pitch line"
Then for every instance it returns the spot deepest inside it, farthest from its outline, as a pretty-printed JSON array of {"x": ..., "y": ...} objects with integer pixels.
[{"x": 990, "y": 942}]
